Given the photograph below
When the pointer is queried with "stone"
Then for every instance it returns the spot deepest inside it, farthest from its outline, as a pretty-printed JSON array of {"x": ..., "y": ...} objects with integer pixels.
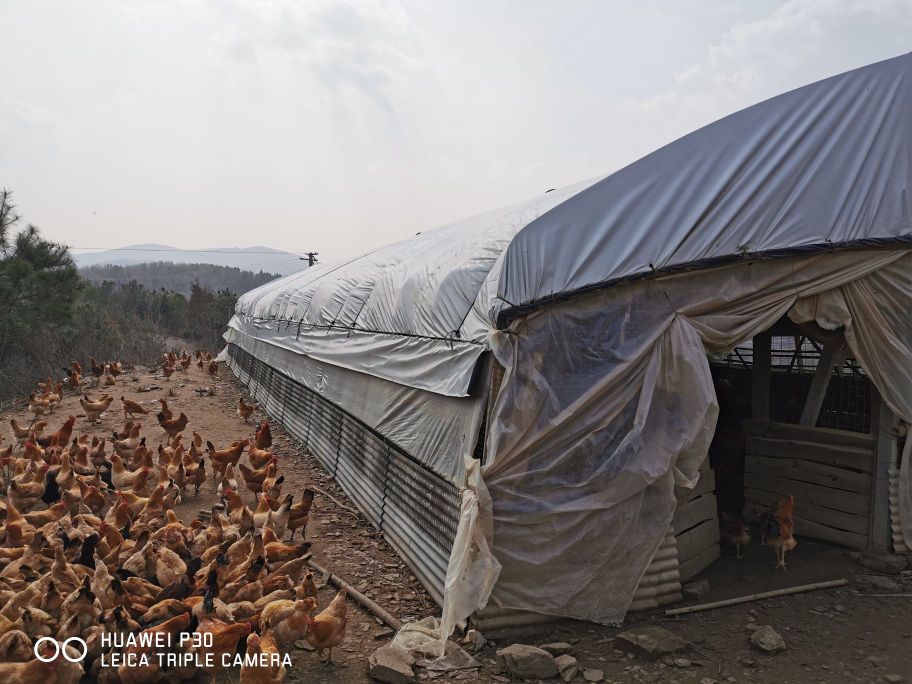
[
  {"x": 567, "y": 666},
  {"x": 652, "y": 641},
  {"x": 593, "y": 675},
  {"x": 767, "y": 639},
  {"x": 876, "y": 660},
  {"x": 682, "y": 662},
  {"x": 528, "y": 662},
  {"x": 557, "y": 648},
  {"x": 474, "y": 641},
  {"x": 391, "y": 664},
  {"x": 893, "y": 678},
  {"x": 698, "y": 590}
]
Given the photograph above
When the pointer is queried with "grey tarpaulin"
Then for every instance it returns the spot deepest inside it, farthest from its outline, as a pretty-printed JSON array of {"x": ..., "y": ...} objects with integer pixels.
[
  {"x": 822, "y": 165},
  {"x": 601, "y": 301}
]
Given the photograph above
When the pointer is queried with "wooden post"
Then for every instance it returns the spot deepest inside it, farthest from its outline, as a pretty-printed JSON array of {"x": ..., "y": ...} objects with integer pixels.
[
  {"x": 885, "y": 458},
  {"x": 819, "y": 384},
  {"x": 760, "y": 376}
]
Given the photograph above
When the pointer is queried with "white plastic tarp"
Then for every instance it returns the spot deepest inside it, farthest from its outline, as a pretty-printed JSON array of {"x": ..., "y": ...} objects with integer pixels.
[
  {"x": 607, "y": 403},
  {"x": 437, "y": 430},
  {"x": 414, "y": 312}
]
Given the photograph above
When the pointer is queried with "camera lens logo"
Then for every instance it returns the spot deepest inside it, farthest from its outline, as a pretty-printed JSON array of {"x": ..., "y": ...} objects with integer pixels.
[{"x": 61, "y": 648}]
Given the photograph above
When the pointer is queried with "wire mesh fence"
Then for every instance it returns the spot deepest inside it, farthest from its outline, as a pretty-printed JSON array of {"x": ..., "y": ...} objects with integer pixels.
[{"x": 794, "y": 360}]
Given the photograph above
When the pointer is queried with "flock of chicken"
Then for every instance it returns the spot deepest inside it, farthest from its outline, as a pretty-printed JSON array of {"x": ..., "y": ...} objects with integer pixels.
[{"x": 90, "y": 547}]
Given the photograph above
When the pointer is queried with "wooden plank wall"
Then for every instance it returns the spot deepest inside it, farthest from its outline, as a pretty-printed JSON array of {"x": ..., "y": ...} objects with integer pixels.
[
  {"x": 697, "y": 527},
  {"x": 830, "y": 472}
]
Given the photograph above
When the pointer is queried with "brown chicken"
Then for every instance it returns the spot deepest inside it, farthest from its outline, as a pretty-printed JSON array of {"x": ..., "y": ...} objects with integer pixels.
[
  {"x": 778, "y": 528},
  {"x": 221, "y": 458},
  {"x": 97, "y": 370},
  {"x": 165, "y": 411},
  {"x": 57, "y": 671},
  {"x": 225, "y": 638},
  {"x": 299, "y": 514},
  {"x": 131, "y": 407},
  {"x": 326, "y": 630},
  {"x": 733, "y": 531},
  {"x": 288, "y": 619},
  {"x": 94, "y": 409},
  {"x": 263, "y": 436},
  {"x": 141, "y": 674},
  {"x": 174, "y": 426},
  {"x": 59, "y": 438},
  {"x": 253, "y": 479},
  {"x": 267, "y": 650},
  {"x": 259, "y": 457},
  {"x": 245, "y": 410}
]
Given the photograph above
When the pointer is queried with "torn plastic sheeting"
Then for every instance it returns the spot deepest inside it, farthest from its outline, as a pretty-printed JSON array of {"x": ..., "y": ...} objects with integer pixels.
[
  {"x": 604, "y": 407},
  {"x": 421, "y": 640},
  {"x": 875, "y": 313}
]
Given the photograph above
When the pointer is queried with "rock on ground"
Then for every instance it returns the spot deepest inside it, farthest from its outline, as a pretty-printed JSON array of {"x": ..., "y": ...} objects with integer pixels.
[
  {"x": 557, "y": 648},
  {"x": 567, "y": 666},
  {"x": 767, "y": 639},
  {"x": 528, "y": 662},
  {"x": 651, "y": 641},
  {"x": 593, "y": 675},
  {"x": 391, "y": 664},
  {"x": 698, "y": 590}
]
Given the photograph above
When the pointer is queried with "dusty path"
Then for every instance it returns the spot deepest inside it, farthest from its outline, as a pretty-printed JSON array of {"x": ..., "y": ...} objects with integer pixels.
[
  {"x": 846, "y": 635},
  {"x": 345, "y": 544}
]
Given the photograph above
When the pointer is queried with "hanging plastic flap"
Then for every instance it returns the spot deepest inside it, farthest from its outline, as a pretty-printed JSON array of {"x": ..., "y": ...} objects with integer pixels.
[{"x": 607, "y": 404}]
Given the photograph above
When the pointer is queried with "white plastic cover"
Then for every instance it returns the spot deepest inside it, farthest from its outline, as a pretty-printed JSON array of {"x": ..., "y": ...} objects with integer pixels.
[{"x": 414, "y": 312}]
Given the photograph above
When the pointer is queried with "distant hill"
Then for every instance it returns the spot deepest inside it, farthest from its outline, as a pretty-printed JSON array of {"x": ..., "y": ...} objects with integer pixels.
[
  {"x": 178, "y": 277},
  {"x": 255, "y": 259}
]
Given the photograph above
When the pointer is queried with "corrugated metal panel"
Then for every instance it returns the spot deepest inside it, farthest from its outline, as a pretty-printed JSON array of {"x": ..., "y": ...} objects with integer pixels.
[
  {"x": 899, "y": 539},
  {"x": 417, "y": 510}
]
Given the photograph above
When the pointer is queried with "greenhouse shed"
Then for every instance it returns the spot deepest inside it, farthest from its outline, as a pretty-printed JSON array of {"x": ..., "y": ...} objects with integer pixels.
[{"x": 523, "y": 401}]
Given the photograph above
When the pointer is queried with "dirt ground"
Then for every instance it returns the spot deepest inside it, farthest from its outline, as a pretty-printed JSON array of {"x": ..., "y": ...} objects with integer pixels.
[{"x": 851, "y": 634}]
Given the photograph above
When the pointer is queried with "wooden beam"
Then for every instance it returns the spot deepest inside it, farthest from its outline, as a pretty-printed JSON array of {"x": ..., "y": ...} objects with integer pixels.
[
  {"x": 817, "y": 435},
  {"x": 830, "y": 584},
  {"x": 819, "y": 384},
  {"x": 760, "y": 376}
]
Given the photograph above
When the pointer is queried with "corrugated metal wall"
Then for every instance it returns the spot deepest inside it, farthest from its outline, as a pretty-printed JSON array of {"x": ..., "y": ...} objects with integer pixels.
[{"x": 417, "y": 510}]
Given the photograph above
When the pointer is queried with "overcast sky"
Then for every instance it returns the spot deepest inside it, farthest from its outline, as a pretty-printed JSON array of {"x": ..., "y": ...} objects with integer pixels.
[{"x": 338, "y": 126}]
